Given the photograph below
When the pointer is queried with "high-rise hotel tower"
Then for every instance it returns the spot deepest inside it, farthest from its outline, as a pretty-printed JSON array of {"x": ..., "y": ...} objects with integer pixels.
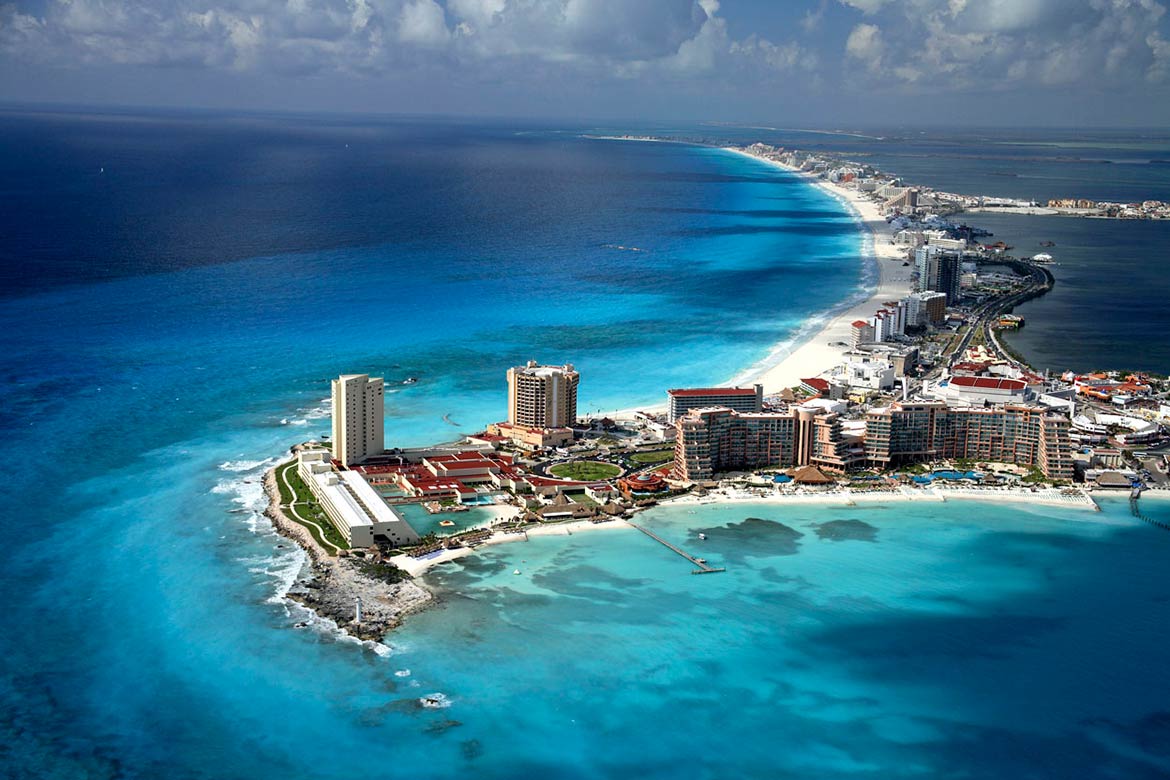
[
  {"x": 542, "y": 396},
  {"x": 358, "y": 418}
]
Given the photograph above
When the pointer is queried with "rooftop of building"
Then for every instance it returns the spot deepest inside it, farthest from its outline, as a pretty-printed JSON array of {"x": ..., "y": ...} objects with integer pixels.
[
  {"x": 532, "y": 369},
  {"x": 988, "y": 383},
  {"x": 696, "y": 392}
]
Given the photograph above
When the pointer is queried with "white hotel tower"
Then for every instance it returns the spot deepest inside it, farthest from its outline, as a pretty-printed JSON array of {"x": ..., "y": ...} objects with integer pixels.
[{"x": 358, "y": 418}]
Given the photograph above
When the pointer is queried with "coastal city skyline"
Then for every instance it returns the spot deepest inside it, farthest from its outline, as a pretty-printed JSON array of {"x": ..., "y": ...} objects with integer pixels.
[{"x": 831, "y": 63}]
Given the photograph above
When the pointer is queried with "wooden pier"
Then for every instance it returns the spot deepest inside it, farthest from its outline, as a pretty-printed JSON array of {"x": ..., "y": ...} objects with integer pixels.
[
  {"x": 703, "y": 567},
  {"x": 1136, "y": 511}
]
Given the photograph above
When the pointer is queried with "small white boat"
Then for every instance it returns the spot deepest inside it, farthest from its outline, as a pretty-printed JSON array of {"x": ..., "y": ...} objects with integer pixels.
[
  {"x": 515, "y": 571},
  {"x": 702, "y": 536}
]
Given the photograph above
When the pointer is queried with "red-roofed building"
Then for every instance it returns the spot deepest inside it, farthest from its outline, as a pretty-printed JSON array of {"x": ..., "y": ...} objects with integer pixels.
[
  {"x": 816, "y": 386},
  {"x": 985, "y": 389},
  {"x": 861, "y": 332},
  {"x": 968, "y": 368},
  {"x": 646, "y": 482}
]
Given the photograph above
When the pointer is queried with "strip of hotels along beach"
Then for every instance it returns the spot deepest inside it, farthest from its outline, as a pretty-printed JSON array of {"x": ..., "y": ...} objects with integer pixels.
[
  {"x": 907, "y": 396},
  {"x": 876, "y": 431}
]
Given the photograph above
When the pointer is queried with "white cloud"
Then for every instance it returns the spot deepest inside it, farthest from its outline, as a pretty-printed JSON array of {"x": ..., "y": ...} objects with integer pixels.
[
  {"x": 423, "y": 22},
  {"x": 986, "y": 44},
  {"x": 500, "y": 40},
  {"x": 811, "y": 20},
  {"x": 865, "y": 6},
  {"x": 865, "y": 44},
  {"x": 1159, "y": 69}
]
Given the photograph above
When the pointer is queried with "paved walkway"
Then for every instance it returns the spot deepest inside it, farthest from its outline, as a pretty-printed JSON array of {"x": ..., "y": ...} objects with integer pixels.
[{"x": 292, "y": 506}]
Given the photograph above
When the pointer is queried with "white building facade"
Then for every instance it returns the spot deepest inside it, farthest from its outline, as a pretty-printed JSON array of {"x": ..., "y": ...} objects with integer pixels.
[{"x": 358, "y": 418}]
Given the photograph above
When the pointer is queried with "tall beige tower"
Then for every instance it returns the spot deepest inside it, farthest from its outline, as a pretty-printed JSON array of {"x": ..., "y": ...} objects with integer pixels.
[
  {"x": 542, "y": 396},
  {"x": 358, "y": 418}
]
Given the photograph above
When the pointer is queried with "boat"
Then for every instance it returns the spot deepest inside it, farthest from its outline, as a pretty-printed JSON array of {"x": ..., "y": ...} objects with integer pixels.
[
  {"x": 515, "y": 571},
  {"x": 1042, "y": 258},
  {"x": 410, "y": 380},
  {"x": 702, "y": 536},
  {"x": 1047, "y": 243}
]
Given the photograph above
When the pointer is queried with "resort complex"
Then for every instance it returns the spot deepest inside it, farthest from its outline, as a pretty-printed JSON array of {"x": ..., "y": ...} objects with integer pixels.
[
  {"x": 878, "y": 416},
  {"x": 542, "y": 406}
]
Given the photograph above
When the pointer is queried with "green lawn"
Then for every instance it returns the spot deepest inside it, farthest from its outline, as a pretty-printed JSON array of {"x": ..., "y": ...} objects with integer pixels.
[
  {"x": 307, "y": 506},
  {"x": 646, "y": 458},
  {"x": 585, "y": 470}
]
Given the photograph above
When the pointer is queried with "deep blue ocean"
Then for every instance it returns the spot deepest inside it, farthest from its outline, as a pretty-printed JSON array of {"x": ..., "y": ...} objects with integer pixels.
[{"x": 177, "y": 291}]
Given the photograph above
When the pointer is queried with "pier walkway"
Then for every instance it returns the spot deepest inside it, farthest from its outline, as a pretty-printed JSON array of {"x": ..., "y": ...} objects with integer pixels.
[
  {"x": 1136, "y": 511},
  {"x": 703, "y": 567}
]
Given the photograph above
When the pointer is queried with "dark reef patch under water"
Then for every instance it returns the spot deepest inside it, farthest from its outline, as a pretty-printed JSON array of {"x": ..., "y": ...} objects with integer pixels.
[{"x": 847, "y": 530}]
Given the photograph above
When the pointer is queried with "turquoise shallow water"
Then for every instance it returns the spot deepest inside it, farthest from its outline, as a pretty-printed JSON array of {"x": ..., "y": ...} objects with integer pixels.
[
  {"x": 964, "y": 640},
  {"x": 168, "y": 331}
]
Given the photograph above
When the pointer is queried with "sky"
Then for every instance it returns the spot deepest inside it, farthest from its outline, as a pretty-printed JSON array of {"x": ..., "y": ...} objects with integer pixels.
[{"x": 849, "y": 63}]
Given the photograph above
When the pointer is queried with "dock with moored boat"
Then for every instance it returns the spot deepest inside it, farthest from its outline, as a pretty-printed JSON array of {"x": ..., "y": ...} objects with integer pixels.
[{"x": 700, "y": 562}]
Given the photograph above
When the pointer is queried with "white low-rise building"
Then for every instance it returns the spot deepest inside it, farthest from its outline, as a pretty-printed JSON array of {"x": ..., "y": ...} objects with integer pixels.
[
  {"x": 351, "y": 504},
  {"x": 978, "y": 390},
  {"x": 864, "y": 371}
]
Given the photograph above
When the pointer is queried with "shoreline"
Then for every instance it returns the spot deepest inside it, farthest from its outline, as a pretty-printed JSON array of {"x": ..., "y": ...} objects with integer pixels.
[
  {"x": 337, "y": 582},
  {"x": 1054, "y": 497},
  {"x": 807, "y": 353},
  {"x": 811, "y": 355},
  {"x": 417, "y": 567}
]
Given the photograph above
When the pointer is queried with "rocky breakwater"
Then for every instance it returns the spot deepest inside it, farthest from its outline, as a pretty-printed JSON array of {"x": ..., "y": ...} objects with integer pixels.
[
  {"x": 337, "y": 582},
  {"x": 336, "y": 587}
]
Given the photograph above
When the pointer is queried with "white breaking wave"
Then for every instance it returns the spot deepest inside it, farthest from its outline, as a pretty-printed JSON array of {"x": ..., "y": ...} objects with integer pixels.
[
  {"x": 284, "y": 566},
  {"x": 248, "y": 465},
  {"x": 317, "y": 412}
]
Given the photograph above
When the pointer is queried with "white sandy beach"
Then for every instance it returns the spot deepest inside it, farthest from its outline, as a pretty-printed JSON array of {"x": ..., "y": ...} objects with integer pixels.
[
  {"x": 846, "y": 496},
  {"x": 811, "y": 355},
  {"x": 416, "y": 566},
  {"x": 1056, "y": 497},
  {"x": 814, "y": 355}
]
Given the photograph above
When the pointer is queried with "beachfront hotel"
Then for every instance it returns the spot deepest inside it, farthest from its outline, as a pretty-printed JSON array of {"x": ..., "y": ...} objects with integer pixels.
[
  {"x": 926, "y": 308},
  {"x": 352, "y": 505},
  {"x": 542, "y": 396},
  {"x": 712, "y": 440},
  {"x": 930, "y": 430},
  {"x": 741, "y": 399},
  {"x": 358, "y": 418},
  {"x": 938, "y": 271}
]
